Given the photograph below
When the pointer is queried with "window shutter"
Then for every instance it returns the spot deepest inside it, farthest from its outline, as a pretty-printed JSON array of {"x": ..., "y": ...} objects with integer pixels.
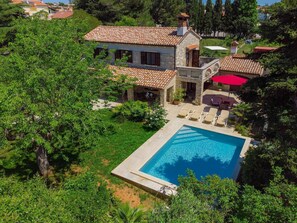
[
  {"x": 143, "y": 58},
  {"x": 130, "y": 56},
  {"x": 117, "y": 54},
  {"x": 96, "y": 52},
  {"x": 157, "y": 58}
]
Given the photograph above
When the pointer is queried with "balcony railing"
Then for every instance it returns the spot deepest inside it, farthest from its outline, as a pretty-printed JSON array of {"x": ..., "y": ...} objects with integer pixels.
[{"x": 209, "y": 67}]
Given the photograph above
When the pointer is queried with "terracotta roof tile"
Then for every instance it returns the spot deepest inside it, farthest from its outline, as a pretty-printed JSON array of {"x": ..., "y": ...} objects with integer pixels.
[
  {"x": 162, "y": 36},
  {"x": 153, "y": 78},
  {"x": 241, "y": 65},
  {"x": 62, "y": 15}
]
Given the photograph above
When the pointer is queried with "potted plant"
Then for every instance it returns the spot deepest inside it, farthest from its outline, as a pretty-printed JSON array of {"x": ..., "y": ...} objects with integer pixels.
[{"x": 178, "y": 96}]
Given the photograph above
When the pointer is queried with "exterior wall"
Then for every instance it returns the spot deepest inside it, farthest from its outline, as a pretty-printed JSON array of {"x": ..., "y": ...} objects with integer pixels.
[
  {"x": 166, "y": 54},
  {"x": 31, "y": 10},
  {"x": 197, "y": 75},
  {"x": 181, "y": 50}
]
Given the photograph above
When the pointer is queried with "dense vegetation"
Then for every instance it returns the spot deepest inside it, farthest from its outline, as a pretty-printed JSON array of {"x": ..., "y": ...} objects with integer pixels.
[
  {"x": 47, "y": 125},
  {"x": 240, "y": 18}
]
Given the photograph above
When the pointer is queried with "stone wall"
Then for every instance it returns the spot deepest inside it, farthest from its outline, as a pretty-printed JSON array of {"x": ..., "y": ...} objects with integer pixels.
[
  {"x": 181, "y": 49},
  {"x": 166, "y": 54}
]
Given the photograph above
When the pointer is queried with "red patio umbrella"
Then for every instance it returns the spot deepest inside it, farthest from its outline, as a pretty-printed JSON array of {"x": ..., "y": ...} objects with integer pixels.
[{"x": 230, "y": 80}]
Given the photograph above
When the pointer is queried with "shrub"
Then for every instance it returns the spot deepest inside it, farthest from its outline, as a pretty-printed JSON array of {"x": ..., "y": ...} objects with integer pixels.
[
  {"x": 132, "y": 110},
  {"x": 156, "y": 117}
]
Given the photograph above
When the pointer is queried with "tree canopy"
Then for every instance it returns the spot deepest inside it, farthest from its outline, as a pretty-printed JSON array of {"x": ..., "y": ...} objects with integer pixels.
[{"x": 47, "y": 87}]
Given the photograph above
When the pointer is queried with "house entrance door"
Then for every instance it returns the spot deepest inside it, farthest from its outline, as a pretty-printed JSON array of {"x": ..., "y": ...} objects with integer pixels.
[{"x": 191, "y": 91}]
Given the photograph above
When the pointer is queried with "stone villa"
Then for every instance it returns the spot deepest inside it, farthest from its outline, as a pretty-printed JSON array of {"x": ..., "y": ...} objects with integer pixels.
[{"x": 162, "y": 59}]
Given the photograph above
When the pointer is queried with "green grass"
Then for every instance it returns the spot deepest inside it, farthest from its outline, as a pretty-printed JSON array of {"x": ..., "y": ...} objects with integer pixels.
[
  {"x": 214, "y": 42},
  {"x": 113, "y": 149}
]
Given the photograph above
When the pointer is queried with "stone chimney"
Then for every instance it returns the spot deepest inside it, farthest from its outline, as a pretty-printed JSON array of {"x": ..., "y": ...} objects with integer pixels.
[
  {"x": 234, "y": 47},
  {"x": 183, "y": 24}
]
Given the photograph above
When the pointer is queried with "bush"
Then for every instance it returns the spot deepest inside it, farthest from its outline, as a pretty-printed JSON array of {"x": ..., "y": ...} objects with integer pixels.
[
  {"x": 155, "y": 118},
  {"x": 78, "y": 200},
  {"x": 132, "y": 110}
]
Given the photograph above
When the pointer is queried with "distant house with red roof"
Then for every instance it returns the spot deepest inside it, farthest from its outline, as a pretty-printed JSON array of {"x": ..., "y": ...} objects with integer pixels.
[
  {"x": 32, "y": 7},
  {"x": 62, "y": 15}
]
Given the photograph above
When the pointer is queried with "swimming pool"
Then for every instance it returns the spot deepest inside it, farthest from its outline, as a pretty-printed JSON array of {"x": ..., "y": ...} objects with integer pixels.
[{"x": 205, "y": 152}]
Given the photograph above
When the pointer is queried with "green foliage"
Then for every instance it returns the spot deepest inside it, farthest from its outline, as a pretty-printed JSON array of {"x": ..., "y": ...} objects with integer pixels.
[
  {"x": 179, "y": 94},
  {"x": 110, "y": 12},
  {"x": 47, "y": 88},
  {"x": 283, "y": 25},
  {"x": 79, "y": 200},
  {"x": 227, "y": 19},
  {"x": 200, "y": 17},
  {"x": 126, "y": 214},
  {"x": 245, "y": 17},
  {"x": 164, "y": 12},
  {"x": 156, "y": 117},
  {"x": 276, "y": 204},
  {"x": 207, "y": 26},
  {"x": 221, "y": 200},
  {"x": 217, "y": 16},
  {"x": 193, "y": 7},
  {"x": 132, "y": 110},
  {"x": 273, "y": 102},
  {"x": 82, "y": 16},
  {"x": 211, "y": 200},
  {"x": 8, "y": 13},
  {"x": 126, "y": 21}
]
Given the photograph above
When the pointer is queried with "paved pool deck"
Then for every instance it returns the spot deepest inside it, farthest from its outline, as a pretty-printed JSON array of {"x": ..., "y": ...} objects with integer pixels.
[{"x": 128, "y": 170}]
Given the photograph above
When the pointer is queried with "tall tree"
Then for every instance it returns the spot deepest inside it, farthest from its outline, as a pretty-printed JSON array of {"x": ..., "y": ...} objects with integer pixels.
[
  {"x": 227, "y": 18},
  {"x": 274, "y": 101},
  {"x": 245, "y": 17},
  {"x": 193, "y": 12},
  {"x": 208, "y": 18},
  {"x": 200, "y": 17},
  {"x": 8, "y": 13},
  {"x": 217, "y": 17},
  {"x": 165, "y": 12},
  {"x": 46, "y": 93}
]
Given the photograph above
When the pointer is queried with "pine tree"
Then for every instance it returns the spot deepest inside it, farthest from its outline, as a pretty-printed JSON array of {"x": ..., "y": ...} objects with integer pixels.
[
  {"x": 217, "y": 17},
  {"x": 235, "y": 16},
  {"x": 200, "y": 16},
  {"x": 208, "y": 18},
  {"x": 245, "y": 16},
  {"x": 227, "y": 19},
  {"x": 193, "y": 11}
]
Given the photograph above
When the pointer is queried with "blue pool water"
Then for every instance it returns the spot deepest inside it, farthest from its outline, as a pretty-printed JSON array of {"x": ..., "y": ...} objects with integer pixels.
[{"x": 204, "y": 152}]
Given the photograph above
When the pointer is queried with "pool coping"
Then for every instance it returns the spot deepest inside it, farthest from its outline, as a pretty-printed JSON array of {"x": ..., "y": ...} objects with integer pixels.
[{"x": 128, "y": 170}]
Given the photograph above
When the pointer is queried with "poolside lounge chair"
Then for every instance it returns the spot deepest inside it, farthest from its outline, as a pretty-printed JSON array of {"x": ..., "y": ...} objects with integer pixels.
[
  {"x": 222, "y": 119},
  {"x": 210, "y": 115},
  {"x": 185, "y": 110},
  {"x": 196, "y": 113}
]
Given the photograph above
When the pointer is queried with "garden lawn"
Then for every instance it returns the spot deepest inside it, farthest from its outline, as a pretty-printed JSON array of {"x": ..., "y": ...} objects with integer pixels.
[
  {"x": 113, "y": 149},
  {"x": 215, "y": 42}
]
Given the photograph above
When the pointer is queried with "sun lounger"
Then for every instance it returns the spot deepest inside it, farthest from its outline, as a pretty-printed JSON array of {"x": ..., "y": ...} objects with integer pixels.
[
  {"x": 210, "y": 115},
  {"x": 222, "y": 119},
  {"x": 196, "y": 113},
  {"x": 184, "y": 111}
]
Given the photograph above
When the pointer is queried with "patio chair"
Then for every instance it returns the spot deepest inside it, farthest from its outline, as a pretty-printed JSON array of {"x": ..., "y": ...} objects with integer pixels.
[
  {"x": 196, "y": 113},
  {"x": 222, "y": 119},
  {"x": 210, "y": 115},
  {"x": 185, "y": 110}
]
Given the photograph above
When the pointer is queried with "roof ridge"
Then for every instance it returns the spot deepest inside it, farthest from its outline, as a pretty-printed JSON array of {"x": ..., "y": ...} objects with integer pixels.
[{"x": 146, "y": 27}]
